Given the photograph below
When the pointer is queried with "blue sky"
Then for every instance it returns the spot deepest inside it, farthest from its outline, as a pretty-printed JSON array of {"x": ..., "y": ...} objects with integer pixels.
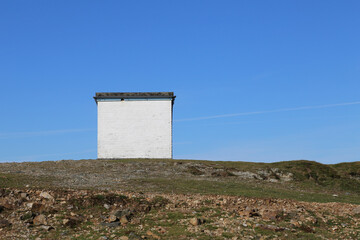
[{"x": 295, "y": 63}]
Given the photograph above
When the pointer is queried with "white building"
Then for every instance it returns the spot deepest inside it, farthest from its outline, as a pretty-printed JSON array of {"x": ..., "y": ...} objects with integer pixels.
[{"x": 135, "y": 124}]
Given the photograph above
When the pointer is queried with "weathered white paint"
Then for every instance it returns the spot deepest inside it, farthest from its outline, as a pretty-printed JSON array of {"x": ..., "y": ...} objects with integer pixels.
[{"x": 135, "y": 128}]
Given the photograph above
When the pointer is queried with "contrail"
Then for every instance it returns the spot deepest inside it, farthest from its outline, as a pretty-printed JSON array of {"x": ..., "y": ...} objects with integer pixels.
[{"x": 268, "y": 111}]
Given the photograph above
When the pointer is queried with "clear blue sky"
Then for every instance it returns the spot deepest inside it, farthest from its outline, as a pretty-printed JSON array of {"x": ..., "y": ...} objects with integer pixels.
[{"x": 221, "y": 58}]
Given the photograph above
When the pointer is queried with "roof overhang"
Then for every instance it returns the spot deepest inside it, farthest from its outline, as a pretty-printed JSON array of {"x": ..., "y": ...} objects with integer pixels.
[{"x": 134, "y": 95}]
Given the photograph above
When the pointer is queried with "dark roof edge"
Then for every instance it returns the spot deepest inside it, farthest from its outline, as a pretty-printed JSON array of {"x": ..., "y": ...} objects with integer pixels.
[{"x": 133, "y": 95}]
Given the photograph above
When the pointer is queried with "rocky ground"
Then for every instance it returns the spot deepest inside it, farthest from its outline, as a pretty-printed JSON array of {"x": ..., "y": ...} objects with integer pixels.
[
  {"x": 150, "y": 200},
  {"x": 83, "y": 214}
]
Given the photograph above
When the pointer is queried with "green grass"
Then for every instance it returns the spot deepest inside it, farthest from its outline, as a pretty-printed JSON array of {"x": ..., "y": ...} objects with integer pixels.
[
  {"x": 312, "y": 181},
  {"x": 237, "y": 189},
  {"x": 15, "y": 180}
]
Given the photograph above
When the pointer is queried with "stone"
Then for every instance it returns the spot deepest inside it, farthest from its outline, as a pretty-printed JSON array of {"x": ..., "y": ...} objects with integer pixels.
[
  {"x": 71, "y": 222},
  {"x": 107, "y": 206},
  {"x": 29, "y": 205},
  {"x": 126, "y": 212},
  {"x": 28, "y": 217},
  {"x": 46, "y": 195},
  {"x": 124, "y": 220},
  {"x": 47, "y": 228},
  {"x": 37, "y": 207},
  {"x": 270, "y": 215},
  {"x": 23, "y": 195},
  {"x": 151, "y": 234},
  {"x": 123, "y": 238},
  {"x": 112, "y": 218},
  {"x": 249, "y": 212},
  {"x": 356, "y": 210},
  {"x": 40, "y": 220},
  {"x": 195, "y": 221}
]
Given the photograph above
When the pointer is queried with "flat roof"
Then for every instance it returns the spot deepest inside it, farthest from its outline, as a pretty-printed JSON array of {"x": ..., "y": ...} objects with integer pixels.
[{"x": 134, "y": 95}]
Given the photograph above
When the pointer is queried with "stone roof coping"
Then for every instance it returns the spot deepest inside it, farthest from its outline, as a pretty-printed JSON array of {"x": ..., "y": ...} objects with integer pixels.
[{"x": 126, "y": 95}]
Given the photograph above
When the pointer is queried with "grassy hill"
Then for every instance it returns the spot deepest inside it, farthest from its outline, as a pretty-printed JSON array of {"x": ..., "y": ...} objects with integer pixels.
[
  {"x": 179, "y": 199},
  {"x": 299, "y": 180}
]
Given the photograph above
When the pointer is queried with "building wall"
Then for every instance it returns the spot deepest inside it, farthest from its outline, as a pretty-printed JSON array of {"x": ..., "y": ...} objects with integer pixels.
[{"x": 135, "y": 128}]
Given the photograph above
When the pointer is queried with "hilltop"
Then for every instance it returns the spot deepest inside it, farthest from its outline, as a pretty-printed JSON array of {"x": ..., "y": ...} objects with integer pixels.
[{"x": 179, "y": 199}]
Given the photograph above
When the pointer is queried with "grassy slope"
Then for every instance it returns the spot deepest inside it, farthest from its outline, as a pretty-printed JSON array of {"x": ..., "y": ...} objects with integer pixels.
[{"x": 312, "y": 181}]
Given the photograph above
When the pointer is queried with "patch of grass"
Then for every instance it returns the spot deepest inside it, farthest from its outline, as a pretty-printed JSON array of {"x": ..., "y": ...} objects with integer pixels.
[
  {"x": 175, "y": 216},
  {"x": 19, "y": 180},
  {"x": 202, "y": 209},
  {"x": 312, "y": 181},
  {"x": 237, "y": 189},
  {"x": 228, "y": 235}
]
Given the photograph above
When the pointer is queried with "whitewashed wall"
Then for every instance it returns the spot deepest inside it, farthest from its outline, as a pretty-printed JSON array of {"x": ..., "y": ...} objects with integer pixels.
[{"x": 135, "y": 129}]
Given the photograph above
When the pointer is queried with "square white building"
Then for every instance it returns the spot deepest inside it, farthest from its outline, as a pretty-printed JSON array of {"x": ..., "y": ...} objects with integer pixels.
[{"x": 134, "y": 124}]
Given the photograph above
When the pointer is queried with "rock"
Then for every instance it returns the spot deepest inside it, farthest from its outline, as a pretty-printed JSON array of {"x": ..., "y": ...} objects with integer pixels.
[
  {"x": 249, "y": 212},
  {"x": 196, "y": 221},
  {"x": 47, "y": 228},
  {"x": 222, "y": 173},
  {"x": 23, "y": 195},
  {"x": 71, "y": 222},
  {"x": 123, "y": 238},
  {"x": 112, "y": 218},
  {"x": 28, "y": 217},
  {"x": 46, "y": 195},
  {"x": 295, "y": 223},
  {"x": 126, "y": 212},
  {"x": 356, "y": 210},
  {"x": 4, "y": 223},
  {"x": 124, "y": 220},
  {"x": 107, "y": 206},
  {"x": 37, "y": 207},
  {"x": 151, "y": 234},
  {"x": 29, "y": 205},
  {"x": 270, "y": 215},
  {"x": 40, "y": 220}
]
